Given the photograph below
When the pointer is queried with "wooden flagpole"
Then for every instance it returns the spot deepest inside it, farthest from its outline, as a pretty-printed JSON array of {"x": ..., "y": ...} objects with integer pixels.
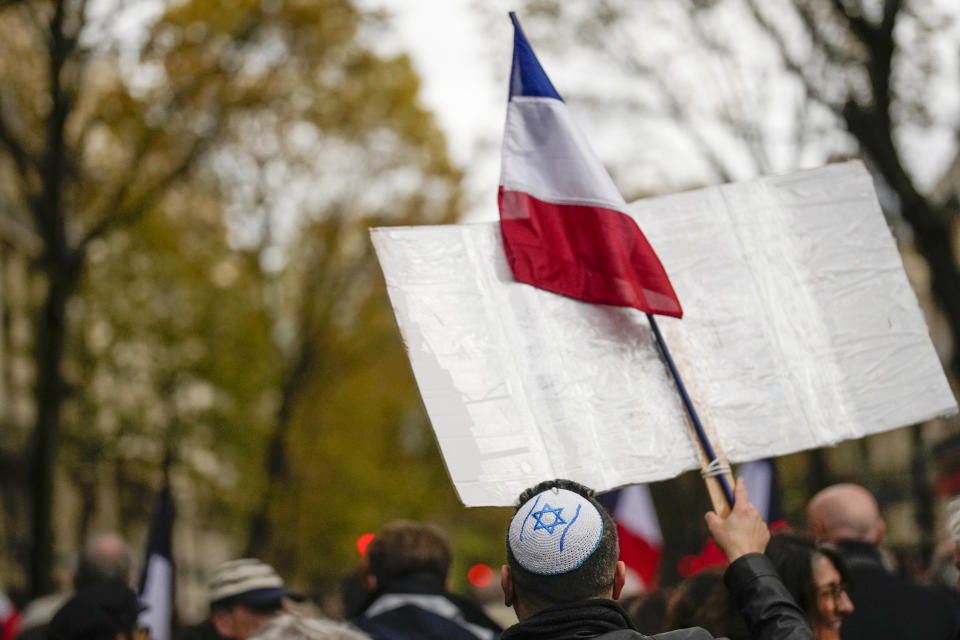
[{"x": 716, "y": 474}]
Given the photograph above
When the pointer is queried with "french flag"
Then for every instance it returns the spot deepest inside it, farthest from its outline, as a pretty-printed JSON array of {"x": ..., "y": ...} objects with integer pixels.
[
  {"x": 563, "y": 221},
  {"x": 157, "y": 581},
  {"x": 641, "y": 543}
]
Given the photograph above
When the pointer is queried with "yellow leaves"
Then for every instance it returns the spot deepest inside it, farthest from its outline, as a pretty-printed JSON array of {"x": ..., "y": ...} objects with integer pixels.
[{"x": 245, "y": 154}]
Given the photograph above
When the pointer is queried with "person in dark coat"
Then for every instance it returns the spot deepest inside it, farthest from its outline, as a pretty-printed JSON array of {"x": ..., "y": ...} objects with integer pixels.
[
  {"x": 562, "y": 575},
  {"x": 104, "y": 556},
  {"x": 886, "y": 606},
  {"x": 104, "y": 610},
  {"x": 408, "y": 565}
]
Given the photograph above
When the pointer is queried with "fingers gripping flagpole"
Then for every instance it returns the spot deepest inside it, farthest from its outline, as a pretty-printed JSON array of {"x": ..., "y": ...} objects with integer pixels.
[{"x": 715, "y": 470}]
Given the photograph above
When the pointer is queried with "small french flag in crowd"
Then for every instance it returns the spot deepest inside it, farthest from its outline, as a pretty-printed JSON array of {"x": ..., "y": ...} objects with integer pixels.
[
  {"x": 641, "y": 542},
  {"x": 156, "y": 583},
  {"x": 564, "y": 223},
  {"x": 638, "y": 529}
]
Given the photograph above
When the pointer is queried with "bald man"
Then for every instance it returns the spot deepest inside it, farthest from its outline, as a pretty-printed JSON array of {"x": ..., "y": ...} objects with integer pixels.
[
  {"x": 104, "y": 556},
  {"x": 886, "y": 606}
]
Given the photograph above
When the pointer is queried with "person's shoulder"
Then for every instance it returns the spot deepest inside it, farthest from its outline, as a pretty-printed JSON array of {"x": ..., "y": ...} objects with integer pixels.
[
  {"x": 40, "y": 611},
  {"x": 201, "y": 631},
  {"x": 691, "y": 633},
  {"x": 923, "y": 599},
  {"x": 409, "y": 621},
  {"x": 473, "y": 612}
]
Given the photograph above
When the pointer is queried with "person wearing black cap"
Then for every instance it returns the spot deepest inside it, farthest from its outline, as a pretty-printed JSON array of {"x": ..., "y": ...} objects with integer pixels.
[
  {"x": 243, "y": 594},
  {"x": 563, "y": 576},
  {"x": 105, "y": 610}
]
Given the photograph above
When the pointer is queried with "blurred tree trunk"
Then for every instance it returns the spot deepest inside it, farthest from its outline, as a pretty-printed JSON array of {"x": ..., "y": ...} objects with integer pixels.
[
  {"x": 61, "y": 265},
  {"x": 922, "y": 496},
  {"x": 51, "y": 331},
  {"x": 276, "y": 460},
  {"x": 51, "y": 186},
  {"x": 818, "y": 472}
]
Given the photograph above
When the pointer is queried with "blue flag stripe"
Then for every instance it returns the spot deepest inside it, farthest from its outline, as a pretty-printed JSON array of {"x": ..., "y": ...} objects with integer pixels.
[{"x": 527, "y": 77}]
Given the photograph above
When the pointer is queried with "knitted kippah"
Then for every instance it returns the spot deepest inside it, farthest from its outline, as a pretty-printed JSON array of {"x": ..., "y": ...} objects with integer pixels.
[{"x": 555, "y": 532}]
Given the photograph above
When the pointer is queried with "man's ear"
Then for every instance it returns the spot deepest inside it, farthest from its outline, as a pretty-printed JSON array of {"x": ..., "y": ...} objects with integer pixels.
[
  {"x": 506, "y": 583},
  {"x": 619, "y": 578},
  {"x": 817, "y": 530},
  {"x": 371, "y": 581},
  {"x": 223, "y": 623},
  {"x": 879, "y": 531}
]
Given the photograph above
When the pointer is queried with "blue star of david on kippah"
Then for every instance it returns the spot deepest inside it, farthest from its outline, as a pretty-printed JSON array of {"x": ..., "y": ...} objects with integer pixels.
[{"x": 549, "y": 526}]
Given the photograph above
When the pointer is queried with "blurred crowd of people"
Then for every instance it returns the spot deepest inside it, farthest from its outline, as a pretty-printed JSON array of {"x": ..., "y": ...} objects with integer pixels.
[{"x": 562, "y": 579}]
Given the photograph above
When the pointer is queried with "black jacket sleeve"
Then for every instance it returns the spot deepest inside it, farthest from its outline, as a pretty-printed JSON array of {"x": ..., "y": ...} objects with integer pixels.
[{"x": 768, "y": 608}]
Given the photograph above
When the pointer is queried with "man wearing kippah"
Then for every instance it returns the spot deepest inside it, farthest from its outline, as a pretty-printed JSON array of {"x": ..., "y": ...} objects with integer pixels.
[{"x": 563, "y": 576}]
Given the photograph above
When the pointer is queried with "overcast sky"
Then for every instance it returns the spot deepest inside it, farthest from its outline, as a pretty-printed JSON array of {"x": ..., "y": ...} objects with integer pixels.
[{"x": 460, "y": 84}]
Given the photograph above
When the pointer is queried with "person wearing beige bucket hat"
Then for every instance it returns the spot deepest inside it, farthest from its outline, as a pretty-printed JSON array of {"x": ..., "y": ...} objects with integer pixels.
[{"x": 243, "y": 595}]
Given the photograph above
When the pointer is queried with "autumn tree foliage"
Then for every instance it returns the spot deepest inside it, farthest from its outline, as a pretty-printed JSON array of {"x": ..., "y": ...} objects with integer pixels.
[{"x": 201, "y": 181}]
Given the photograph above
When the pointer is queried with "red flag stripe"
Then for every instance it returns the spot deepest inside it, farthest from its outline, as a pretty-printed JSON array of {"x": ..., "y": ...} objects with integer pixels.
[
  {"x": 641, "y": 556},
  {"x": 588, "y": 253}
]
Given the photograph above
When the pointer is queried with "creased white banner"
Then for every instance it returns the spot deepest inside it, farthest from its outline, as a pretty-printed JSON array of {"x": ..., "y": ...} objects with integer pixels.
[{"x": 800, "y": 330}]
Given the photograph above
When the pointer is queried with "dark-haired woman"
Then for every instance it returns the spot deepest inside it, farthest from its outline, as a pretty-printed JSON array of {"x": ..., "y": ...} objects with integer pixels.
[{"x": 818, "y": 579}]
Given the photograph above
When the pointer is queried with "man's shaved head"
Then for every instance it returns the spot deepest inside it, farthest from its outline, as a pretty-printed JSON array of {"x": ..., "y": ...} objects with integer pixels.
[
  {"x": 845, "y": 512},
  {"x": 104, "y": 555}
]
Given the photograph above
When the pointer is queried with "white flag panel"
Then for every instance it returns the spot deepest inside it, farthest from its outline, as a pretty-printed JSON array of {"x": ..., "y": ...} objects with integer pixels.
[{"x": 800, "y": 330}]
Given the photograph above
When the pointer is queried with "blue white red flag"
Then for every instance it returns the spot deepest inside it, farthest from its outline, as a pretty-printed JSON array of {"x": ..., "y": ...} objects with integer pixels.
[
  {"x": 763, "y": 487},
  {"x": 564, "y": 223},
  {"x": 641, "y": 543},
  {"x": 156, "y": 583}
]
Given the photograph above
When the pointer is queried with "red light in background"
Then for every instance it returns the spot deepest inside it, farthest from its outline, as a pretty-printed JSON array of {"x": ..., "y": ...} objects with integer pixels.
[
  {"x": 363, "y": 542},
  {"x": 480, "y": 575}
]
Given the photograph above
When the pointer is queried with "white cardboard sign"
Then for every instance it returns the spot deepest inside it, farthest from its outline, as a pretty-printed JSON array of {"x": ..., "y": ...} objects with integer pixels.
[{"x": 800, "y": 330}]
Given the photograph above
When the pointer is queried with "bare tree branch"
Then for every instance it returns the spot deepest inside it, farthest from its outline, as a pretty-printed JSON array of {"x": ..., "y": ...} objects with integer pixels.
[
  {"x": 746, "y": 126},
  {"x": 815, "y": 31},
  {"x": 122, "y": 185},
  {"x": 891, "y": 9},
  {"x": 810, "y": 85},
  {"x": 21, "y": 158},
  {"x": 859, "y": 25},
  {"x": 676, "y": 109},
  {"x": 144, "y": 200},
  {"x": 110, "y": 213}
]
